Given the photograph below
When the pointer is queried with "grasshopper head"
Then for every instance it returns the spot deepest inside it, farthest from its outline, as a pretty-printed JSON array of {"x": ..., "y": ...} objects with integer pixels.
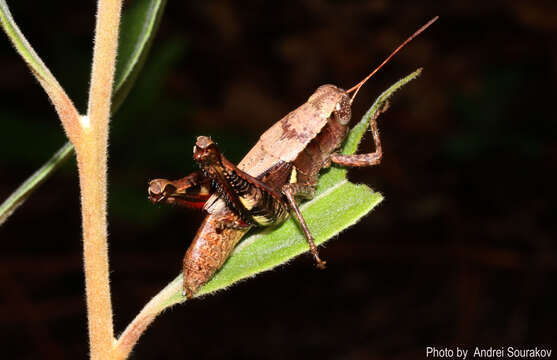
[
  {"x": 205, "y": 151},
  {"x": 332, "y": 101}
]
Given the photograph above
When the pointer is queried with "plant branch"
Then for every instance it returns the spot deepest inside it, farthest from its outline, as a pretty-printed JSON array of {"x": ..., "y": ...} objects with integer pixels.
[
  {"x": 154, "y": 307},
  {"x": 66, "y": 110},
  {"x": 92, "y": 162}
]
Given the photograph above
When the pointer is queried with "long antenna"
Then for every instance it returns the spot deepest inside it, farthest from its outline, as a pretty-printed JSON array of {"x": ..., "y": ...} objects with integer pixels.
[{"x": 361, "y": 83}]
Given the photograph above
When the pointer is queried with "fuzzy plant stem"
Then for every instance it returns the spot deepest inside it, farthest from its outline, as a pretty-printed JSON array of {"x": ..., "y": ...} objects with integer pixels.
[
  {"x": 92, "y": 162},
  {"x": 89, "y": 135}
]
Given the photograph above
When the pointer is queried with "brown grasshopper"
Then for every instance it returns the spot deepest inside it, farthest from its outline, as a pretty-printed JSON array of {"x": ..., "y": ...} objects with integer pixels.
[{"x": 282, "y": 166}]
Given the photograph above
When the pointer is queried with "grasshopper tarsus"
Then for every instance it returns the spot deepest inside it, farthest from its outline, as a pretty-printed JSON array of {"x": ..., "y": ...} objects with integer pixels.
[{"x": 320, "y": 264}]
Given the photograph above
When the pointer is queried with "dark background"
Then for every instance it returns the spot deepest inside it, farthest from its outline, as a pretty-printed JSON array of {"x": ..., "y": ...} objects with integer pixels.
[{"x": 461, "y": 252}]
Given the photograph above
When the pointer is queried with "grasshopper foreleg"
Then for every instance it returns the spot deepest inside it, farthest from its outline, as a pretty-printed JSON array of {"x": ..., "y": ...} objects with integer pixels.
[
  {"x": 191, "y": 191},
  {"x": 369, "y": 159}
]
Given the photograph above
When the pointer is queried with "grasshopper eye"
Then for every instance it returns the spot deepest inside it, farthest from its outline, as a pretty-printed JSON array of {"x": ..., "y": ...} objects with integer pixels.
[{"x": 343, "y": 112}]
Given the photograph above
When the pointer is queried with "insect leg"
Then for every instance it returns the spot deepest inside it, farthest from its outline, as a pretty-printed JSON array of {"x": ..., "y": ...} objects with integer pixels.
[
  {"x": 231, "y": 223},
  {"x": 369, "y": 159},
  {"x": 306, "y": 191},
  {"x": 191, "y": 191}
]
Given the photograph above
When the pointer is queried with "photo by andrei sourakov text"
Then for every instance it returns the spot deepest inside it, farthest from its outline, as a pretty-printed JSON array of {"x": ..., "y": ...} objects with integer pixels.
[{"x": 487, "y": 353}]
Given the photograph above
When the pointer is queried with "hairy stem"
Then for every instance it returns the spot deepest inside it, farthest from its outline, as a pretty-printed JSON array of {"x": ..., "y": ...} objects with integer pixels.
[
  {"x": 92, "y": 177},
  {"x": 92, "y": 162}
]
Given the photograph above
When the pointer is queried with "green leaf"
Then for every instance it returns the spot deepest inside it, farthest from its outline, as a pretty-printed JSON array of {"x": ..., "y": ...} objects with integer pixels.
[
  {"x": 24, "y": 190},
  {"x": 337, "y": 205},
  {"x": 139, "y": 25},
  {"x": 138, "y": 29},
  {"x": 23, "y": 47}
]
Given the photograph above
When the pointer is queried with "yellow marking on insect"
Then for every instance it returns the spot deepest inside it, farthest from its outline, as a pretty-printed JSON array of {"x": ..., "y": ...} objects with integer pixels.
[
  {"x": 262, "y": 220},
  {"x": 248, "y": 202},
  {"x": 294, "y": 176}
]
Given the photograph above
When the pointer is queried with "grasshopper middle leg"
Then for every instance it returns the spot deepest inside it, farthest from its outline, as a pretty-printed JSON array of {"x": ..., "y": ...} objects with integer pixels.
[{"x": 305, "y": 191}]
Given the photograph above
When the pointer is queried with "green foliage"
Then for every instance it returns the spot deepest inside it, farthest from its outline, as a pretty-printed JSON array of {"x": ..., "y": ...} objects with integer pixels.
[{"x": 139, "y": 26}]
